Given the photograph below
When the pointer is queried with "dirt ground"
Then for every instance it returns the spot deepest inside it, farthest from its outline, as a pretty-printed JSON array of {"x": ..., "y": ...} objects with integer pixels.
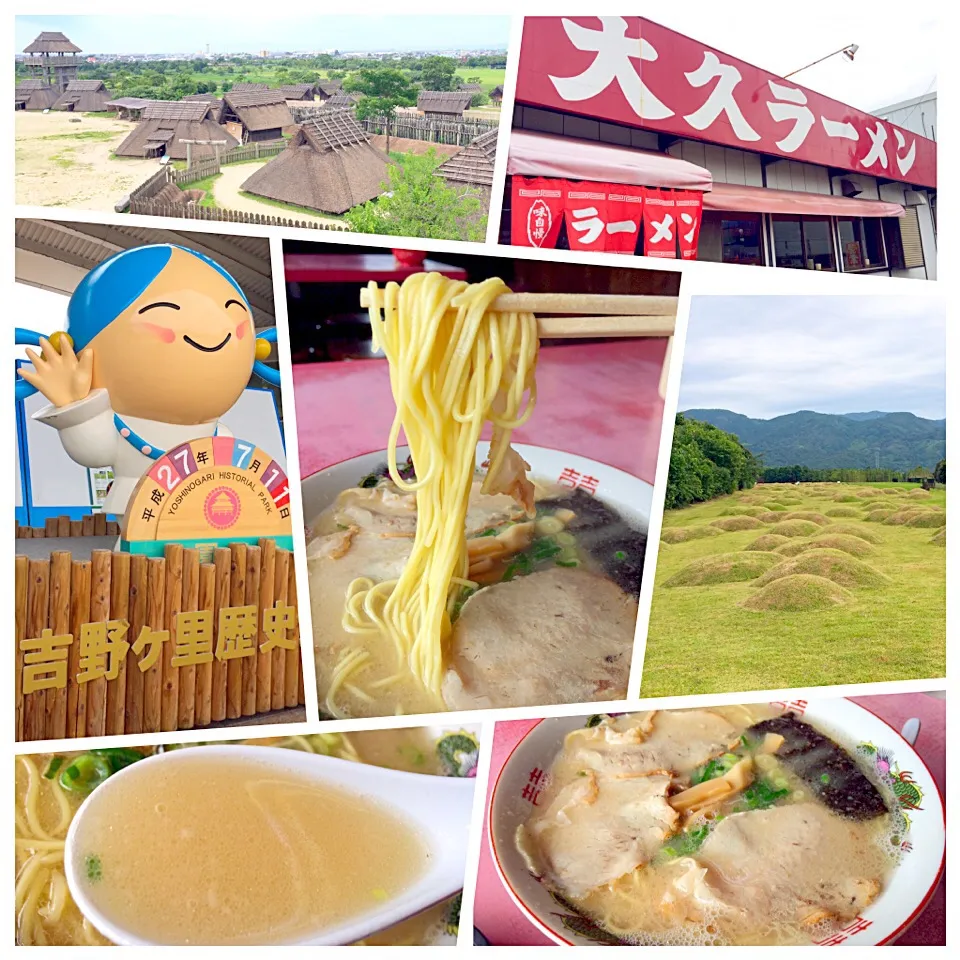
[
  {"x": 57, "y": 166},
  {"x": 405, "y": 145},
  {"x": 226, "y": 191}
]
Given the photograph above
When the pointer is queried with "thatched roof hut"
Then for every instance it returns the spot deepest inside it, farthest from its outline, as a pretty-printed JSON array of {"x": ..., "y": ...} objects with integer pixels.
[
  {"x": 330, "y": 165},
  {"x": 166, "y": 122},
  {"x": 34, "y": 95},
  {"x": 340, "y": 102},
  {"x": 329, "y": 88},
  {"x": 247, "y": 87},
  {"x": 128, "y": 108},
  {"x": 52, "y": 42},
  {"x": 470, "y": 88},
  {"x": 496, "y": 95},
  {"x": 84, "y": 96},
  {"x": 473, "y": 165},
  {"x": 445, "y": 104},
  {"x": 261, "y": 114},
  {"x": 298, "y": 91}
]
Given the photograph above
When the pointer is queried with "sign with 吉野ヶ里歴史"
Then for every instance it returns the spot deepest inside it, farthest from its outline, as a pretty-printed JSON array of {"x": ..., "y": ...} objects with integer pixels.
[
  {"x": 206, "y": 493},
  {"x": 104, "y": 645},
  {"x": 632, "y": 71}
]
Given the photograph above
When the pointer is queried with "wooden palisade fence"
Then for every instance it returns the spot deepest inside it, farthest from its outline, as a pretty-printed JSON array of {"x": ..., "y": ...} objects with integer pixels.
[
  {"x": 92, "y": 525},
  {"x": 456, "y": 132},
  {"x": 118, "y": 595}
]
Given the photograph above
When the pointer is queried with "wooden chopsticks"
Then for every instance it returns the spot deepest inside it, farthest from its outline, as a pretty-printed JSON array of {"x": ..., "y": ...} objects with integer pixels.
[
  {"x": 601, "y": 315},
  {"x": 591, "y": 315}
]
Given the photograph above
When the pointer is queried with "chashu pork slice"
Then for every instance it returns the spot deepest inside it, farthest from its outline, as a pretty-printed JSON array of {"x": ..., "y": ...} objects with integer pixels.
[
  {"x": 677, "y": 741},
  {"x": 794, "y": 861},
  {"x": 597, "y": 830},
  {"x": 562, "y": 635}
]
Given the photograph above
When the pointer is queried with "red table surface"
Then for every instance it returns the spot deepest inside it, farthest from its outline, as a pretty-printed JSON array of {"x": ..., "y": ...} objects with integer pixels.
[
  {"x": 357, "y": 268},
  {"x": 596, "y": 400},
  {"x": 502, "y": 922}
]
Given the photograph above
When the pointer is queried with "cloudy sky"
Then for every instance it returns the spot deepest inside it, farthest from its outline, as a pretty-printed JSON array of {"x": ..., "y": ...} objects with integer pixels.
[
  {"x": 897, "y": 59},
  {"x": 267, "y": 30},
  {"x": 767, "y": 356}
]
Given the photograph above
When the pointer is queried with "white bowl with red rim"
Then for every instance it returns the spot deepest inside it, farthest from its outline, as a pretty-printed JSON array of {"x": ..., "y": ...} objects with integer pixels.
[
  {"x": 629, "y": 495},
  {"x": 893, "y": 761}
]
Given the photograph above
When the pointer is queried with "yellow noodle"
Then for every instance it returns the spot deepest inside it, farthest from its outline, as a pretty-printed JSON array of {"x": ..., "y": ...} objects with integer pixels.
[
  {"x": 28, "y": 913},
  {"x": 31, "y": 803},
  {"x": 57, "y": 898},
  {"x": 452, "y": 369}
]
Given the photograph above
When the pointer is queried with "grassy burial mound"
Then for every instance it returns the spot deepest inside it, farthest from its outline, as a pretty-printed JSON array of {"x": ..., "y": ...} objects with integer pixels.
[
  {"x": 850, "y": 600},
  {"x": 795, "y": 528},
  {"x": 853, "y": 545},
  {"x": 734, "y": 524},
  {"x": 856, "y": 530},
  {"x": 799, "y": 592},
  {"x": 682, "y": 534},
  {"x": 723, "y": 568},
  {"x": 818, "y": 518},
  {"x": 879, "y": 516},
  {"x": 842, "y": 512},
  {"x": 835, "y": 565},
  {"x": 769, "y": 541}
]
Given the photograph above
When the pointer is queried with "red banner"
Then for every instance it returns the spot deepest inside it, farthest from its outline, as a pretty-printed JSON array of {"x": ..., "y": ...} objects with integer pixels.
[
  {"x": 536, "y": 212},
  {"x": 689, "y": 204},
  {"x": 659, "y": 225},
  {"x": 635, "y": 72},
  {"x": 585, "y": 209},
  {"x": 624, "y": 212}
]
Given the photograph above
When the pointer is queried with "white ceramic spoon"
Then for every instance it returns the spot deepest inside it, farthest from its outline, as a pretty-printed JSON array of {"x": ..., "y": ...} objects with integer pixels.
[{"x": 439, "y": 806}]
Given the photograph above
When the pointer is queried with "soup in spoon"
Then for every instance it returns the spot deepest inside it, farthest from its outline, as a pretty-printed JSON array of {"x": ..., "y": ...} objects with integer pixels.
[{"x": 215, "y": 850}]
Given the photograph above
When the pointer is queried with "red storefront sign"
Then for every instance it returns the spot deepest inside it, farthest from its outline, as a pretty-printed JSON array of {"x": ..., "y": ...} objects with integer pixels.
[
  {"x": 585, "y": 210},
  {"x": 536, "y": 213},
  {"x": 605, "y": 217},
  {"x": 689, "y": 212},
  {"x": 625, "y": 209},
  {"x": 660, "y": 225},
  {"x": 632, "y": 71}
]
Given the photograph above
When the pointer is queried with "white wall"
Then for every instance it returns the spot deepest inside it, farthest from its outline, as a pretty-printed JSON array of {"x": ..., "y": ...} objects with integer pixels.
[
  {"x": 726, "y": 165},
  {"x": 894, "y": 192}
]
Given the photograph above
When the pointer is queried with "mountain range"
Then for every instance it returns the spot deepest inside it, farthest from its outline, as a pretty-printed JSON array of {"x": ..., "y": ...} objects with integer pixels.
[{"x": 827, "y": 441}]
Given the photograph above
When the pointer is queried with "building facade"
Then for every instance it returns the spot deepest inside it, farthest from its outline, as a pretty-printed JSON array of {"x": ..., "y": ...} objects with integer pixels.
[{"x": 788, "y": 177}]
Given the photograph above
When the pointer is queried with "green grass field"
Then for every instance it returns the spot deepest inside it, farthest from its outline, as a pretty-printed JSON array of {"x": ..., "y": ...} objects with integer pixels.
[
  {"x": 867, "y": 603},
  {"x": 489, "y": 77}
]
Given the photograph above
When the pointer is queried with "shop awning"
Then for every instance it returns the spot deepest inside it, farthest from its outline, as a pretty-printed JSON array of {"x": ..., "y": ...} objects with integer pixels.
[
  {"x": 732, "y": 198},
  {"x": 545, "y": 155}
]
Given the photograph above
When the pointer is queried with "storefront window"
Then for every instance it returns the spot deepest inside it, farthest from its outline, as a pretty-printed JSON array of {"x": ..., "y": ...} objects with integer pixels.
[
  {"x": 803, "y": 242},
  {"x": 861, "y": 243},
  {"x": 741, "y": 239}
]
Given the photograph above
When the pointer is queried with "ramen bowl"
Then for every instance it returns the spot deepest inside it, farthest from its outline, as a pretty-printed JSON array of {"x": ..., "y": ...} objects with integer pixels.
[
  {"x": 893, "y": 762},
  {"x": 629, "y": 495}
]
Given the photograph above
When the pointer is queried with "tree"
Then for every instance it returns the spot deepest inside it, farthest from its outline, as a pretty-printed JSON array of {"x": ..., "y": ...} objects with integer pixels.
[
  {"x": 418, "y": 203},
  {"x": 437, "y": 73},
  {"x": 479, "y": 100},
  {"x": 940, "y": 472},
  {"x": 706, "y": 462},
  {"x": 383, "y": 89}
]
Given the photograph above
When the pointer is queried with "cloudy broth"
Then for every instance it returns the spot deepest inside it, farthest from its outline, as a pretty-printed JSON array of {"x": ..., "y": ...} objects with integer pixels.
[{"x": 271, "y": 859}]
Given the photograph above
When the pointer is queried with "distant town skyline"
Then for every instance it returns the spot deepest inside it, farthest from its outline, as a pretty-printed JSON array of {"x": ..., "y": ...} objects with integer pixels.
[{"x": 156, "y": 34}]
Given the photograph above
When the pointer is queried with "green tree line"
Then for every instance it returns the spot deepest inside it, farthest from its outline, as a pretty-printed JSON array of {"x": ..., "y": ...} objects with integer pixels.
[{"x": 707, "y": 462}]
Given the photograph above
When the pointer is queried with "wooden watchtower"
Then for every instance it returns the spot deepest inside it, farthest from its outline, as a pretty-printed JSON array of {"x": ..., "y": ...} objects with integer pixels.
[{"x": 52, "y": 57}]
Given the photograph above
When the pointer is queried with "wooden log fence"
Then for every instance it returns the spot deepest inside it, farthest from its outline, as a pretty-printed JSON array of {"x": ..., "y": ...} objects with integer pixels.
[
  {"x": 92, "y": 525},
  {"x": 119, "y": 629},
  {"x": 191, "y": 211},
  {"x": 456, "y": 132}
]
